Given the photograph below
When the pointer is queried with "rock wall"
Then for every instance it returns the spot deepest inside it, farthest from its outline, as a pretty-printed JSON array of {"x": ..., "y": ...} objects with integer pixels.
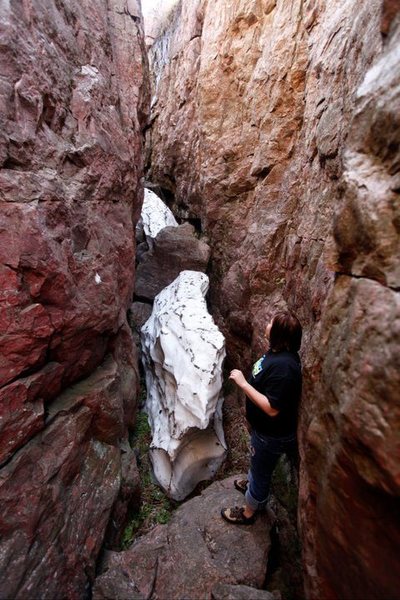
[
  {"x": 73, "y": 96},
  {"x": 276, "y": 124}
]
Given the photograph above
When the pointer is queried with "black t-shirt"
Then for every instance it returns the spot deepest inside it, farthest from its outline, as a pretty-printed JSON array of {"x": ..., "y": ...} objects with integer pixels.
[{"x": 277, "y": 375}]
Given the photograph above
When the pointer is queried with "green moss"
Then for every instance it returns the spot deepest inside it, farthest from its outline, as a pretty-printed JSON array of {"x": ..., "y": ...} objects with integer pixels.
[
  {"x": 155, "y": 507},
  {"x": 141, "y": 436},
  {"x": 288, "y": 577},
  {"x": 284, "y": 487}
]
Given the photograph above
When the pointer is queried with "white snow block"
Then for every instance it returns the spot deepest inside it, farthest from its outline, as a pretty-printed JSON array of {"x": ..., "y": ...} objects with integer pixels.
[
  {"x": 183, "y": 351},
  {"x": 155, "y": 214}
]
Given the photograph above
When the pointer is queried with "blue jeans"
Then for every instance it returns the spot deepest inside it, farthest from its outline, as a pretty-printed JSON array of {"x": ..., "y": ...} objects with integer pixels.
[{"x": 265, "y": 453}]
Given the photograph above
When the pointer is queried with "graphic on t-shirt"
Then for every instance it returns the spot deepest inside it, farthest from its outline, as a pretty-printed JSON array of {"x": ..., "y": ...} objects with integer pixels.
[{"x": 257, "y": 367}]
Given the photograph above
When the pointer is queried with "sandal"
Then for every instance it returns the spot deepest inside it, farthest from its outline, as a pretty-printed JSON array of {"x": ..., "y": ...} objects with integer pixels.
[
  {"x": 241, "y": 485},
  {"x": 236, "y": 515}
]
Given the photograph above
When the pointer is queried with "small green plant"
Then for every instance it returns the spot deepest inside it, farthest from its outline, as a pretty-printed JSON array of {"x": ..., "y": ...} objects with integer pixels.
[
  {"x": 129, "y": 534},
  {"x": 163, "y": 516}
]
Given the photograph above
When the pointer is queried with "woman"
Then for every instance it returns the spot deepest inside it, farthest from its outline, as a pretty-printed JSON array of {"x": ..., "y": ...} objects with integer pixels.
[{"x": 272, "y": 398}]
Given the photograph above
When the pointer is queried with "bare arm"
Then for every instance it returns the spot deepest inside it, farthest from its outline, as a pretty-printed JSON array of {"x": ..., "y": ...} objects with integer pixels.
[{"x": 256, "y": 397}]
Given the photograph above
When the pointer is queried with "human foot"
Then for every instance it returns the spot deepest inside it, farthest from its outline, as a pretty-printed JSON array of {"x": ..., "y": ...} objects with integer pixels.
[
  {"x": 241, "y": 485},
  {"x": 236, "y": 515}
]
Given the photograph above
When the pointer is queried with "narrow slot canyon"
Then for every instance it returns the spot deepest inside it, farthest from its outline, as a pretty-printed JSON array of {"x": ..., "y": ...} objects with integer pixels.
[{"x": 173, "y": 175}]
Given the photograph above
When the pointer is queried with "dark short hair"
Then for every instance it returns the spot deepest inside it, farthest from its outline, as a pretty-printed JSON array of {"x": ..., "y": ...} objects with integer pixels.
[{"x": 285, "y": 333}]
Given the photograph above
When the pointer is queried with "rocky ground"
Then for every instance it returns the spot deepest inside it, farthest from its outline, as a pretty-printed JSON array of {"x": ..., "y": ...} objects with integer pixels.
[{"x": 192, "y": 556}]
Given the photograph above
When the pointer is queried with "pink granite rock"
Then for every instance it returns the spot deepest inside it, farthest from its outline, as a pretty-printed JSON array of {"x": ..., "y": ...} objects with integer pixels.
[
  {"x": 56, "y": 497},
  {"x": 73, "y": 98},
  {"x": 208, "y": 550},
  {"x": 276, "y": 124},
  {"x": 351, "y": 472}
]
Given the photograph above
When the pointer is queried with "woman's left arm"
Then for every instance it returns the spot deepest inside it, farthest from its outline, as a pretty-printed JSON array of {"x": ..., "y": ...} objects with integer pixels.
[{"x": 256, "y": 397}]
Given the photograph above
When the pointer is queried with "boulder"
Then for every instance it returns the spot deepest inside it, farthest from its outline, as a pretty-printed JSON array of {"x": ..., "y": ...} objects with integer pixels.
[
  {"x": 191, "y": 556},
  {"x": 183, "y": 351},
  {"x": 174, "y": 249}
]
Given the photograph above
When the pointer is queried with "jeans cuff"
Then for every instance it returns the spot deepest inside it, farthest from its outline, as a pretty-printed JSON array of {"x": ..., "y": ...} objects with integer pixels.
[{"x": 252, "y": 502}]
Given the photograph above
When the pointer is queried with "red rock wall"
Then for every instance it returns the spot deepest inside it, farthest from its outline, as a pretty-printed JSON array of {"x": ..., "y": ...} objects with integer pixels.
[
  {"x": 73, "y": 96},
  {"x": 277, "y": 124}
]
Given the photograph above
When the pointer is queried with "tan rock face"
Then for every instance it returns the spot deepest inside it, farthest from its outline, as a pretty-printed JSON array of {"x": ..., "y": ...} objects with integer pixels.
[
  {"x": 276, "y": 123},
  {"x": 351, "y": 473},
  {"x": 73, "y": 97}
]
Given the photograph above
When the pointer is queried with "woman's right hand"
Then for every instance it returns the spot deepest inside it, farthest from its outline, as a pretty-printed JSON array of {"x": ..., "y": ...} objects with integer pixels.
[{"x": 238, "y": 377}]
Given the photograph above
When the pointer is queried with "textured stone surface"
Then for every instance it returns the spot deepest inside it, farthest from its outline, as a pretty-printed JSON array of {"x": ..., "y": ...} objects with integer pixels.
[
  {"x": 183, "y": 351},
  {"x": 73, "y": 99},
  {"x": 367, "y": 224},
  {"x": 49, "y": 527},
  {"x": 351, "y": 441},
  {"x": 138, "y": 314},
  {"x": 225, "y": 591},
  {"x": 190, "y": 555},
  {"x": 128, "y": 500},
  {"x": 350, "y": 485},
  {"x": 173, "y": 250},
  {"x": 61, "y": 489},
  {"x": 57, "y": 492},
  {"x": 276, "y": 124}
]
